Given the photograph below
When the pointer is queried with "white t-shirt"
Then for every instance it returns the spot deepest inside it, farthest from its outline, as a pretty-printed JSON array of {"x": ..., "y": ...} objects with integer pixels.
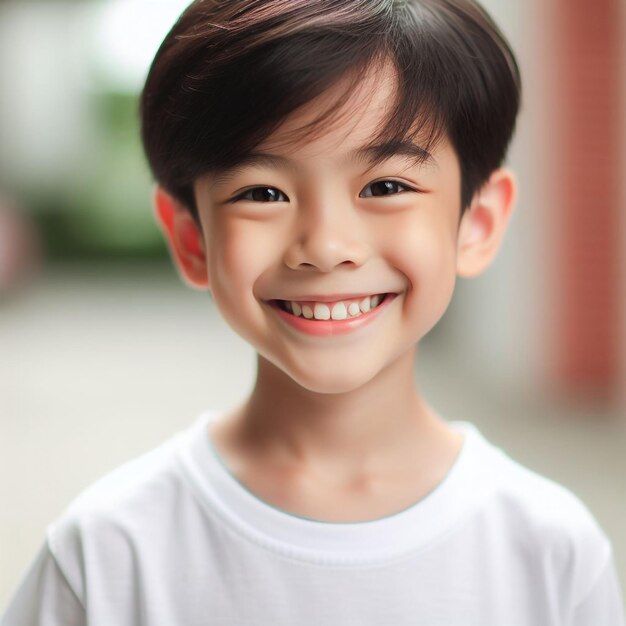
[{"x": 173, "y": 539}]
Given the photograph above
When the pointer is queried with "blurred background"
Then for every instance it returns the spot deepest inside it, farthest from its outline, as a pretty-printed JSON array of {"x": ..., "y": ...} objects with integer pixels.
[{"x": 104, "y": 352}]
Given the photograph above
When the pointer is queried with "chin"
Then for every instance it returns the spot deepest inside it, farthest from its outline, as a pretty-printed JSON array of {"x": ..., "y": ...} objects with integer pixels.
[{"x": 330, "y": 382}]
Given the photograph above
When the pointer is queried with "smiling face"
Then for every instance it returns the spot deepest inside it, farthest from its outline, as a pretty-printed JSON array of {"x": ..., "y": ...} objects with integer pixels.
[{"x": 297, "y": 243}]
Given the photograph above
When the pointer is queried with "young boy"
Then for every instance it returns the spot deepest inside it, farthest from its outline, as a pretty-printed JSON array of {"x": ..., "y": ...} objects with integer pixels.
[{"x": 326, "y": 168}]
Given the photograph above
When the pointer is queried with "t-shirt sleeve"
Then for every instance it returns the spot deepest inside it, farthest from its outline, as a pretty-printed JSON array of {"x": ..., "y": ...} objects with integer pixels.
[
  {"x": 44, "y": 597},
  {"x": 603, "y": 605}
]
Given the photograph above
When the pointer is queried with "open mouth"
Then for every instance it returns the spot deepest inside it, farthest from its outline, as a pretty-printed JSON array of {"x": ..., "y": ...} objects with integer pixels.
[{"x": 341, "y": 310}]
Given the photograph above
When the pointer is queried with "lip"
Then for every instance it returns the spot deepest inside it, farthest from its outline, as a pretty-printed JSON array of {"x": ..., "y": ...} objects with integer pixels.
[
  {"x": 334, "y": 297},
  {"x": 325, "y": 328}
]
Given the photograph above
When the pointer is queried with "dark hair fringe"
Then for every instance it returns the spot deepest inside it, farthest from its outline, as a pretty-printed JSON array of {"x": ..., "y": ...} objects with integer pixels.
[{"x": 230, "y": 71}]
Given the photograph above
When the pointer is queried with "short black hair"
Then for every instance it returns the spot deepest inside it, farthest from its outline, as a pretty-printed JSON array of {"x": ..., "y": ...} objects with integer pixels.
[{"x": 230, "y": 71}]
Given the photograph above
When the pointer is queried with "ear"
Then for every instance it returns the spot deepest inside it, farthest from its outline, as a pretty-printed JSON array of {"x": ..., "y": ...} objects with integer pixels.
[
  {"x": 184, "y": 239},
  {"x": 484, "y": 223}
]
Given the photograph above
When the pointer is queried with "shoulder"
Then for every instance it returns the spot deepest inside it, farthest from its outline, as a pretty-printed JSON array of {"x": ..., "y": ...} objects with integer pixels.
[
  {"x": 527, "y": 498},
  {"x": 102, "y": 527},
  {"x": 539, "y": 502},
  {"x": 548, "y": 525},
  {"x": 130, "y": 487}
]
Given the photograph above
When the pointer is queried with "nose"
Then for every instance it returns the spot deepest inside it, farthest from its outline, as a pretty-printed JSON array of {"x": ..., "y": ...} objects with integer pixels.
[{"x": 327, "y": 236}]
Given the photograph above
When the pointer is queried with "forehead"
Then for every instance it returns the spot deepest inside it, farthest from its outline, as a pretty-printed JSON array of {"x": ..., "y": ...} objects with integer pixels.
[
  {"x": 349, "y": 107},
  {"x": 349, "y": 114},
  {"x": 343, "y": 123}
]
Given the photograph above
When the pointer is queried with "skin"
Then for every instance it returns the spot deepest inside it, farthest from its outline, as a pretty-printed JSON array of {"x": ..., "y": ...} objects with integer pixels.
[{"x": 336, "y": 428}]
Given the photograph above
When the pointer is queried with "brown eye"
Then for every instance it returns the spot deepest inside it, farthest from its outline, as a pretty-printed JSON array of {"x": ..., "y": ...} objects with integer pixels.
[
  {"x": 384, "y": 188},
  {"x": 263, "y": 194}
]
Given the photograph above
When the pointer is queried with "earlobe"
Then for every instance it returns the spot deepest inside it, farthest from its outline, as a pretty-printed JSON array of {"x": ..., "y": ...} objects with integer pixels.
[
  {"x": 484, "y": 224},
  {"x": 184, "y": 239}
]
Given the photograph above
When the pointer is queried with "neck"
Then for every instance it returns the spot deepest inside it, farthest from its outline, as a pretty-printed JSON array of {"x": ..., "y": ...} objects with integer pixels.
[{"x": 343, "y": 433}]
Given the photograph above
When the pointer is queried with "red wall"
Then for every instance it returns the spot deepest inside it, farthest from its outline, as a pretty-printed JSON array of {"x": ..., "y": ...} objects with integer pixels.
[{"x": 586, "y": 325}]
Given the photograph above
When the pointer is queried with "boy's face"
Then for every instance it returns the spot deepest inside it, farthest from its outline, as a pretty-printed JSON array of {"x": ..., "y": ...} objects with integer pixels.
[{"x": 323, "y": 227}]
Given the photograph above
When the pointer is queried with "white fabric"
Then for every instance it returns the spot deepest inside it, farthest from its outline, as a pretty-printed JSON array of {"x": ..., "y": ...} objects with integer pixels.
[{"x": 172, "y": 538}]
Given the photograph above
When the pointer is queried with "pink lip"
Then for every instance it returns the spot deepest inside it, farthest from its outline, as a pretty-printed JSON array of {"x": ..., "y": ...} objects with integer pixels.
[
  {"x": 321, "y": 328},
  {"x": 337, "y": 297}
]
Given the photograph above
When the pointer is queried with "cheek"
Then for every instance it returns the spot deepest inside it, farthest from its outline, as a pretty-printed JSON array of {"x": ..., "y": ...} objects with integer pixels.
[
  {"x": 423, "y": 251},
  {"x": 419, "y": 246},
  {"x": 240, "y": 251}
]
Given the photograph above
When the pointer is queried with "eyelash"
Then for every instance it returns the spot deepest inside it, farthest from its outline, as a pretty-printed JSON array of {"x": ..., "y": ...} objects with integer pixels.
[{"x": 243, "y": 195}]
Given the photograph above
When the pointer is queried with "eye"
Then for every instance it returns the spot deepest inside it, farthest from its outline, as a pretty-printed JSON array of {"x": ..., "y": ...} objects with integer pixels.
[
  {"x": 262, "y": 194},
  {"x": 384, "y": 188}
]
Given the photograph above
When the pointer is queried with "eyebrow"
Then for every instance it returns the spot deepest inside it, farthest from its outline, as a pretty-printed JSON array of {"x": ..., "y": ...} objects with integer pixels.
[
  {"x": 371, "y": 154},
  {"x": 378, "y": 153}
]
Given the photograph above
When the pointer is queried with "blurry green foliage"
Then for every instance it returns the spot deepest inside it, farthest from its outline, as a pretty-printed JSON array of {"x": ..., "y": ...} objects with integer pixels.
[{"x": 105, "y": 212}]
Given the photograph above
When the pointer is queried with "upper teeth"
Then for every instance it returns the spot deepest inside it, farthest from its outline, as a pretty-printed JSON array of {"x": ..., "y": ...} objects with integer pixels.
[{"x": 336, "y": 311}]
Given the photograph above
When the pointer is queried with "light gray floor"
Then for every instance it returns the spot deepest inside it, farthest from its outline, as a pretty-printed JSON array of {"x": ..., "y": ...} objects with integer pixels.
[{"x": 99, "y": 365}]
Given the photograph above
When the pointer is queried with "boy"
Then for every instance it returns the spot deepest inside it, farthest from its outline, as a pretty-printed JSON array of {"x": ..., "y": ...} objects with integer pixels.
[{"x": 326, "y": 168}]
